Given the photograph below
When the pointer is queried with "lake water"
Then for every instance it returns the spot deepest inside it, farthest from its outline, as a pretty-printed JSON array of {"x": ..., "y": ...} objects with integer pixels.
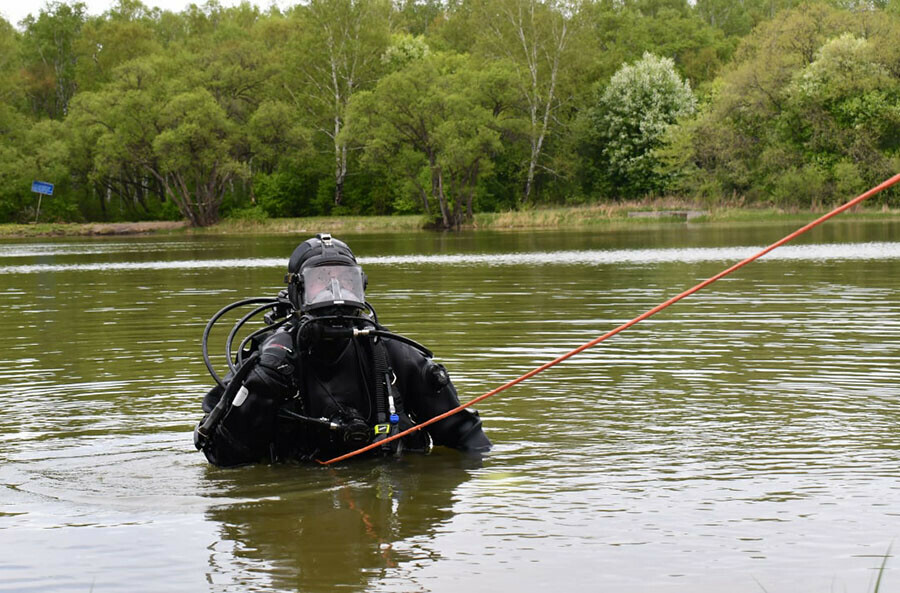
[{"x": 743, "y": 440}]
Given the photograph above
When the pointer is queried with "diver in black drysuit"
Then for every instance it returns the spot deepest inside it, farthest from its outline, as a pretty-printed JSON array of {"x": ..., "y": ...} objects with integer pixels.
[{"x": 327, "y": 378}]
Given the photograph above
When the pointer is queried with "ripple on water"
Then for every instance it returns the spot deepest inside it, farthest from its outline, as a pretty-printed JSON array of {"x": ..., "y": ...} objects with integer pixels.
[
  {"x": 747, "y": 431},
  {"x": 818, "y": 253}
]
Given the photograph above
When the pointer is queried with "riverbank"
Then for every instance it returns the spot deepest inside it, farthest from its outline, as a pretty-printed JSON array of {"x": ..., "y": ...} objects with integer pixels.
[
  {"x": 90, "y": 229},
  {"x": 658, "y": 212}
]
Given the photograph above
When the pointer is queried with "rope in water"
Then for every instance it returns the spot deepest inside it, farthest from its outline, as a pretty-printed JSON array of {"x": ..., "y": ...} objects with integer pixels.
[{"x": 882, "y": 186}]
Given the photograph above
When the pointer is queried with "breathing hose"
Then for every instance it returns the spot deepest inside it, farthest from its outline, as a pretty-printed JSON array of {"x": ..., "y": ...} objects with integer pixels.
[
  {"x": 216, "y": 317},
  {"x": 237, "y": 326}
]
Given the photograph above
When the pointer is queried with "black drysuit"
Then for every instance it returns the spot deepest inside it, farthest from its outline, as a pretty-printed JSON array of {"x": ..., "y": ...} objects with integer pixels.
[{"x": 290, "y": 395}]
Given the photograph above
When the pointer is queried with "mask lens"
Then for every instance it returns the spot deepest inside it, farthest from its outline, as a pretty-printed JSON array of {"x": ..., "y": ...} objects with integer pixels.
[{"x": 333, "y": 285}]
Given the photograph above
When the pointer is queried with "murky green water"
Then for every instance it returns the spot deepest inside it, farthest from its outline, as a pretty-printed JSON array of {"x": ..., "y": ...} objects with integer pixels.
[{"x": 743, "y": 440}]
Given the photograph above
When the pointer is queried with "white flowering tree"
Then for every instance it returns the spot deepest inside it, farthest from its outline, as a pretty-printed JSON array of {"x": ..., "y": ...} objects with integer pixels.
[{"x": 631, "y": 117}]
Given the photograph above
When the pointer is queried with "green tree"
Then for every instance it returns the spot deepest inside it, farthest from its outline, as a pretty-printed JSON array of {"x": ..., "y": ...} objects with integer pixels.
[
  {"x": 622, "y": 32},
  {"x": 843, "y": 113},
  {"x": 38, "y": 152},
  {"x": 231, "y": 61},
  {"x": 50, "y": 58},
  {"x": 276, "y": 135},
  {"x": 11, "y": 91},
  {"x": 416, "y": 17},
  {"x": 808, "y": 108},
  {"x": 176, "y": 134},
  {"x": 404, "y": 49},
  {"x": 739, "y": 18},
  {"x": 13, "y": 123},
  {"x": 29, "y": 150},
  {"x": 195, "y": 152},
  {"x": 537, "y": 37},
  {"x": 631, "y": 118},
  {"x": 735, "y": 142},
  {"x": 335, "y": 53},
  {"x": 125, "y": 32},
  {"x": 432, "y": 123}
]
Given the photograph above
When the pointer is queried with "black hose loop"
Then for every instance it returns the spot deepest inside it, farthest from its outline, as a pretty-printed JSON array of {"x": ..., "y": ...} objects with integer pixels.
[
  {"x": 374, "y": 314},
  {"x": 212, "y": 322},
  {"x": 237, "y": 326}
]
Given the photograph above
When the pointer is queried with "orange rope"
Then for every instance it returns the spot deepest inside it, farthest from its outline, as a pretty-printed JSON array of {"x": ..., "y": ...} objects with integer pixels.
[{"x": 884, "y": 185}]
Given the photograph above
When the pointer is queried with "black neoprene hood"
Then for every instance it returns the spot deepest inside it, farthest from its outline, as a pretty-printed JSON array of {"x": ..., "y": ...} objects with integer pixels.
[
  {"x": 324, "y": 253},
  {"x": 319, "y": 250}
]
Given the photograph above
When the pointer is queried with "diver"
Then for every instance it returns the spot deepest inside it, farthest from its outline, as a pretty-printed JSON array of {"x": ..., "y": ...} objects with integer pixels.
[{"x": 323, "y": 377}]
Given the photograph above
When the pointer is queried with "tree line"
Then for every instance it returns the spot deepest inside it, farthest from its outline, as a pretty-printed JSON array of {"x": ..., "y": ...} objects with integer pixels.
[{"x": 444, "y": 108}]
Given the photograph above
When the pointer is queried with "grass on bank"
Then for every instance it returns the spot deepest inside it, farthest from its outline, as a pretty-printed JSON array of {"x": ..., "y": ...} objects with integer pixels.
[{"x": 572, "y": 217}]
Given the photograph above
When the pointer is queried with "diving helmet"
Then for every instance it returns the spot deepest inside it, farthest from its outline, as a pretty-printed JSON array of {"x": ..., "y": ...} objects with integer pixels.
[{"x": 323, "y": 274}]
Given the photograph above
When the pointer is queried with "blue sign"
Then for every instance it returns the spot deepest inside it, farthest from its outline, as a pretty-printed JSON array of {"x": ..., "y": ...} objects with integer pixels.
[{"x": 42, "y": 187}]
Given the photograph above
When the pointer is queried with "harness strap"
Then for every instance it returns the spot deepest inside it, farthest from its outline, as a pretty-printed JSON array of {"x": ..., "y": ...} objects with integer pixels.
[
  {"x": 398, "y": 419},
  {"x": 388, "y": 401}
]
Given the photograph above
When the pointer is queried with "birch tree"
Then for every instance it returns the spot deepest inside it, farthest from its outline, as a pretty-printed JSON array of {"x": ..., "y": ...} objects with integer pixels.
[
  {"x": 337, "y": 52},
  {"x": 536, "y": 36}
]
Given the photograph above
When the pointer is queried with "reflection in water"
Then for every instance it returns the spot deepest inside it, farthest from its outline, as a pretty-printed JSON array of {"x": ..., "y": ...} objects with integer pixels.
[{"x": 318, "y": 529}]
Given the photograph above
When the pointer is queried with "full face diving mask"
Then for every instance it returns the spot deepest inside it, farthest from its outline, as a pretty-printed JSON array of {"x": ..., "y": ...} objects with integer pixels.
[{"x": 333, "y": 285}]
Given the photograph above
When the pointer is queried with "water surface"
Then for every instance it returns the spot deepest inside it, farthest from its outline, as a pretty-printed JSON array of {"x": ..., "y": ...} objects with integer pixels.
[{"x": 744, "y": 439}]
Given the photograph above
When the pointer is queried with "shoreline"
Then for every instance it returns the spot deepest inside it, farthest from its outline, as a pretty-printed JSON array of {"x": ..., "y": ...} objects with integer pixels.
[
  {"x": 573, "y": 217},
  {"x": 89, "y": 229}
]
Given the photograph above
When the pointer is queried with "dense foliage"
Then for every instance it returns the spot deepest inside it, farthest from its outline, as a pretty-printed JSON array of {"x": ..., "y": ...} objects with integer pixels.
[{"x": 445, "y": 109}]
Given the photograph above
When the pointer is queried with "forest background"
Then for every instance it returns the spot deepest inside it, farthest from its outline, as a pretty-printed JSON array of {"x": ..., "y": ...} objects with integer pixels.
[{"x": 444, "y": 108}]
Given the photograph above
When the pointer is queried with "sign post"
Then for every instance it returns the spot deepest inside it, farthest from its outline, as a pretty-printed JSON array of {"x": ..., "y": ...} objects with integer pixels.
[{"x": 41, "y": 188}]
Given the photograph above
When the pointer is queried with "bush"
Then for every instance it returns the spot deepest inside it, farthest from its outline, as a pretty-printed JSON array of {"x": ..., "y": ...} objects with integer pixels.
[
  {"x": 848, "y": 182},
  {"x": 282, "y": 194},
  {"x": 799, "y": 187}
]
